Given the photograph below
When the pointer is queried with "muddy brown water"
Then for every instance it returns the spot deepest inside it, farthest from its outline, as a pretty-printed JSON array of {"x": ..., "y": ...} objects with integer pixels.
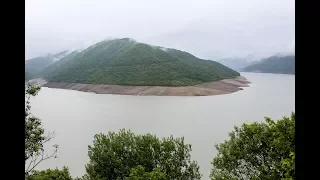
[{"x": 203, "y": 120}]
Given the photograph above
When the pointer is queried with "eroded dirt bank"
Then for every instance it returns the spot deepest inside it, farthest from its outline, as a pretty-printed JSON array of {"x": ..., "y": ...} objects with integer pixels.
[{"x": 225, "y": 86}]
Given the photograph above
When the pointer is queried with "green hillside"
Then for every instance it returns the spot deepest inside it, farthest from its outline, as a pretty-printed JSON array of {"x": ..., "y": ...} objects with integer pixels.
[
  {"x": 35, "y": 65},
  {"x": 51, "y": 68},
  {"x": 274, "y": 64},
  {"x": 127, "y": 62}
]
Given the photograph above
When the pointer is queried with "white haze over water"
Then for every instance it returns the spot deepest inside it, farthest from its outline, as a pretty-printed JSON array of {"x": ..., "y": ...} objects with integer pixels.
[{"x": 208, "y": 29}]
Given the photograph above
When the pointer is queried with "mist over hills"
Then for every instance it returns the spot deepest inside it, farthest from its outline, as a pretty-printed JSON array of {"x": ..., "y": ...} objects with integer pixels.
[
  {"x": 235, "y": 63},
  {"x": 128, "y": 62},
  {"x": 34, "y": 65},
  {"x": 281, "y": 64}
]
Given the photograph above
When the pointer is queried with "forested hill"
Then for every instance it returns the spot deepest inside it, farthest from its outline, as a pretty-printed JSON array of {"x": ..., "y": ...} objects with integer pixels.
[
  {"x": 128, "y": 62},
  {"x": 274, "y": 64},
  {"x": 35, "y": 65},
  {"x": 56, "y": 65}
]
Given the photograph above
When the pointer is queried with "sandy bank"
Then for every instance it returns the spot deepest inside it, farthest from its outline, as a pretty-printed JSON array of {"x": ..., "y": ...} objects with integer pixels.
[{"x": 225, "y": 86}]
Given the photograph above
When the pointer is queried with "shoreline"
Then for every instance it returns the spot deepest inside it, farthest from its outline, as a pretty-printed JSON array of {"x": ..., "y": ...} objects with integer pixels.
[{"x": 225, "y": 86}]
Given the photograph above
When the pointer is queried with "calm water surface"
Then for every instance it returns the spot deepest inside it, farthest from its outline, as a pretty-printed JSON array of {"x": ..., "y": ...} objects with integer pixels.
[{"x": 204, "y": 121}]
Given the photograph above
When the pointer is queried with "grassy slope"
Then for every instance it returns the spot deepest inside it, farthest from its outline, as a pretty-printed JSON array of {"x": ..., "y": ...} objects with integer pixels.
[
  {"x": 274, "y": 64},
  {"x": 126, "y": 62}
]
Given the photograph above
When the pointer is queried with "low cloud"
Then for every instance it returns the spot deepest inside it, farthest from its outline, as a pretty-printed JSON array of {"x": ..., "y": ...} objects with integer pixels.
[{"x": 206, "y": 28}]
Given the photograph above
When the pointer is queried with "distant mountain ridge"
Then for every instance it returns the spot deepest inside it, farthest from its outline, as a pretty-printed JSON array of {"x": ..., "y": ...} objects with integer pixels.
[
  {"x": 235, "y": 63},
  {"x": 128, "y": 62},
  {"x": 282, "y": 64},
  {"x": 52, "y": 67},
  {"x": 34, "y": 65}
]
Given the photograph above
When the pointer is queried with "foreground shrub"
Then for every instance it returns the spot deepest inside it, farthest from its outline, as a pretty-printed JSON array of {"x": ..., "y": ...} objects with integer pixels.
[
  {"x": 50, "y": 174},
  {"x": 124, "y": 155},
  {"x": 258, "y": 151}
]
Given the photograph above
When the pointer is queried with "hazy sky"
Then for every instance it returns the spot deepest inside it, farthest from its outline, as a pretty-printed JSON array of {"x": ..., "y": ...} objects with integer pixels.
[{"x": 209, "y": 29}]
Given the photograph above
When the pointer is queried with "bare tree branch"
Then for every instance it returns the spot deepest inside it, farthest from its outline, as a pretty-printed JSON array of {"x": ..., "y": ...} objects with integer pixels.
[
  {"x": 30, "y": 163},
  {"x": 35, "y": 162}
]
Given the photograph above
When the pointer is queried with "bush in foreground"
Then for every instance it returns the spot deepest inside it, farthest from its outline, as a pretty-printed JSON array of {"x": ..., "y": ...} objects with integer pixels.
[
  {"x": 139, "y": 173},
  {"x": 124, "y": 155},
  {"x": 50, "y": 174},
  {"x": 257, "y": 151}
]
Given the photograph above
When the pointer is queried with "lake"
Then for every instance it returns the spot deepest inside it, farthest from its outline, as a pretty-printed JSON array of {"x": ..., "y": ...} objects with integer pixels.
[{"x": 203, "y": 120}]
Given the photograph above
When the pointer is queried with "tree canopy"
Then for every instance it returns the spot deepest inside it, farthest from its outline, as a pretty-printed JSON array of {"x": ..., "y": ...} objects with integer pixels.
[
  {"x": 51, "y": 174},
  {"x": 257, "y": 151},
  {"x": 139, "y": 173},
  {"x": 124, "y": 155}
]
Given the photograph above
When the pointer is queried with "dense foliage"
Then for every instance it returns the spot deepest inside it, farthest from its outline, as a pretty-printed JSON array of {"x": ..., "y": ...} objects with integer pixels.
[
  {"x": 124, "y": 155},
  {"x": 274, "y": 64},
  {"x": 35, "y": 136},
  {"x": 127, "y": 62},
  {"x": 51, "y": 174},
  {"x": 139, "y": 173},
  {"x": 35, "y": 65},
  {"x": 258, "y": 151}
]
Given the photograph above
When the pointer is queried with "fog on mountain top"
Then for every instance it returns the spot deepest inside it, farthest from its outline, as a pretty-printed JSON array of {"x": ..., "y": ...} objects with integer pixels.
[{"x": 209, "y": 29}]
